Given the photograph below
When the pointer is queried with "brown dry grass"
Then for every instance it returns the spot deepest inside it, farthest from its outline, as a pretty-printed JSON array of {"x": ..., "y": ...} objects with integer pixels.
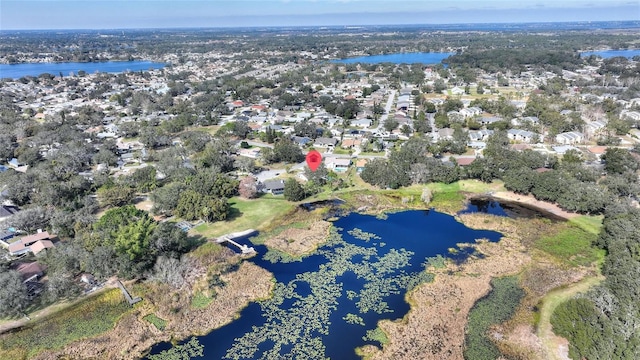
[
  {"x": 300, "y": 241},
  {"x": 132, "y": 336},
  {"x": 435, "y": 326}
]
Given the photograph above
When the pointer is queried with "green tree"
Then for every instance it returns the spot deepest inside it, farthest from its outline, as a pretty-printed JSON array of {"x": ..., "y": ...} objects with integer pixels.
[
  {"x": 13, "y": 294},
  {"x": 293, "y": 191}
]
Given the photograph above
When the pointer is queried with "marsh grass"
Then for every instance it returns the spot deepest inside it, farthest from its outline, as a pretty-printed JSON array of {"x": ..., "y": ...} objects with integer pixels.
[
  {"x": 90, "y": 317},
  {"x": 572, "y": 246},
  {"x": 496, "y": 307},
  {"x": 159, "y": 323}
]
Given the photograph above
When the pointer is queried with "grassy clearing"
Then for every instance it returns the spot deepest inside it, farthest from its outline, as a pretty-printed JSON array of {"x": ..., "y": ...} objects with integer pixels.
[
  {"x": 159, "y": 323},
  {"x": 200, "y": 300},
  {"x": 247, "y": 214},
  {"x": 90, "y": 317},
  {"x": 591, "y": 224},
  {"x": 572, "y": 246},
  {"x": 549, "y": 304},
  {"x": 498, "y": 306}
]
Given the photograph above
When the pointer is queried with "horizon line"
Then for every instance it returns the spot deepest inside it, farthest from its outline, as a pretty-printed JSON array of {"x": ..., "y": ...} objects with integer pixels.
[{"x": 355, "y": 26}]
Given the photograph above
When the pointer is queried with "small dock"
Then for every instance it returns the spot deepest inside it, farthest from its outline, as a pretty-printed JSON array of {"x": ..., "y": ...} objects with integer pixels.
[
  {"x": 229, "y": 238},
  {"x": 127, "y": 295}
]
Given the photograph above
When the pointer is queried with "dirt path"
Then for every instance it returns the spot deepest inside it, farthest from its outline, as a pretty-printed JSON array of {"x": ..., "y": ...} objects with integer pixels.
[
  {"x": 530, "y": 200},
  {"x": 556, "y": 347}
]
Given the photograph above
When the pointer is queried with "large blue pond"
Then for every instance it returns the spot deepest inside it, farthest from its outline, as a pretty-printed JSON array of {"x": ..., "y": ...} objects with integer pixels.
[
  {"x": 405, "y": 58},
  {"x": 606, "y": 54},
  {"x": 326, "y": 304},
  {"x": 16, "y": 71}
]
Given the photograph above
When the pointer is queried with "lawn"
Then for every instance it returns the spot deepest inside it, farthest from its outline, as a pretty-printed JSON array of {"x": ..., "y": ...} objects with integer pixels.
[
  {"x": 90, "y": 317},
  {"x": 245, "y": 214}
]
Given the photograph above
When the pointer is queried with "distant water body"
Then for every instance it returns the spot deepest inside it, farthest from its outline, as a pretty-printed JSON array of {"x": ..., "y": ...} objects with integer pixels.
[
  {"x": 405, "y": 58},
  {"x": 16, "y": 71},
  {"x": 606, "y": 54}
]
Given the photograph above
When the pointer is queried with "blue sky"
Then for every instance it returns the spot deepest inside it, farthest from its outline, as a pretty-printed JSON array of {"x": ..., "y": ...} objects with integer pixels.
[{"x": 106, "y": 14}]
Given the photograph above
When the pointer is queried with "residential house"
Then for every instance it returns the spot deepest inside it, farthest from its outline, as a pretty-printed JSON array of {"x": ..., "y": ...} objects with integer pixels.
[
  {"x": 5, "y": 236},
  {"x": 324, "y": 142},
  {"x": 32, "y": 243},
  {"x": 571, "y": 137},
  {"x": 465, "y": 161},
  {"x": 274, "y": 187},
  {"x": 593, "y": 128},
  {"x": 6, "y": 211},
  {"x": 362, "y": 123},
  {"x": 338, "y": 164},
  {"x": 487, "y": 120},
  {"x": 480, "y": 135},
  {"x": 351, "y": 143},
  {"x": 301, "y": 140},
  {"x": 29, "y": 271},
  {"x": 523, "y": 136},
  {"x": 561, "y": 150},
  {"x": 470, "y": 111}
]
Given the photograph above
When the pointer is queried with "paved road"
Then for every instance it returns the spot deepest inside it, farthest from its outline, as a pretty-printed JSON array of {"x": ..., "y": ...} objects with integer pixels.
[
  {"x": 387, "y": 109},
  {"x": 269, "y": 174},
  {"x": 258, "y": 144}
]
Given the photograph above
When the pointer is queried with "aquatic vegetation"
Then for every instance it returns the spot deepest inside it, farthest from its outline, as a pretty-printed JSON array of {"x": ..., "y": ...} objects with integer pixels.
[
  {"x": 353, "y": 319},
  {"x": 186, "y": 351},
  {"x": 296, "y": 330},
  {"x": 363, "y": 235},
  {"x": 437, "y": 262},
  {"x": 376, "y": 335},
  {"x": 275, "y": 256}
]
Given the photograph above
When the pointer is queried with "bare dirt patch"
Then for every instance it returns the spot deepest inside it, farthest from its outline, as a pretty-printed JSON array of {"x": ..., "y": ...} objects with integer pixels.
[
  {"x": 532, "y": 201},
  {"x": 300, "y": 241}
]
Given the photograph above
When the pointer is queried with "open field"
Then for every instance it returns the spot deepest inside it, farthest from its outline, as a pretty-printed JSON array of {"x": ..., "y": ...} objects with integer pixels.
[{"x": 247, "y": 214}]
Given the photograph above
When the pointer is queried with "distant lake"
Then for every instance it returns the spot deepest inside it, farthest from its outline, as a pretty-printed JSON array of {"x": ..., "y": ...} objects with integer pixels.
[
  {"x": 406, "y": 58},
  {"x": 326, "y": 304},
  {"x": 606, "y": 54},
  {"x": 16, "y": 71}
]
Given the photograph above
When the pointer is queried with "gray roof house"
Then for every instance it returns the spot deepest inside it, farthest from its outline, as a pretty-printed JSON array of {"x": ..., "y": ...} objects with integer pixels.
[
  {"x": 325, "y": 142},
  {"x": 275, "y": 187},
  {"x": 522, "y": 135}
]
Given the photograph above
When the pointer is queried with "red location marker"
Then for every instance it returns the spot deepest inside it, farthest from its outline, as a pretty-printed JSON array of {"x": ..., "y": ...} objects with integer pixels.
[{"x": 314, "y": 159}]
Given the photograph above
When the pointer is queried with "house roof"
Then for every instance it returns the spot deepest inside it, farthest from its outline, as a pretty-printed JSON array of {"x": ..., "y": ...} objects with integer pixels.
[
  {"x": 274, "y": 184},
  {"x": 29, "y": 270},
  {"x": 6, "y": 211},
  {"x": 465, "y": 161},
  {"x": 30, "y": 239},
  {"x": 41, "y": 245},
  {"x": 361, "y": 162},
  {"x": 340, "y": 161},
  {"x": 351, "y": 142},
  {"x": 326, "y": 141}
]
